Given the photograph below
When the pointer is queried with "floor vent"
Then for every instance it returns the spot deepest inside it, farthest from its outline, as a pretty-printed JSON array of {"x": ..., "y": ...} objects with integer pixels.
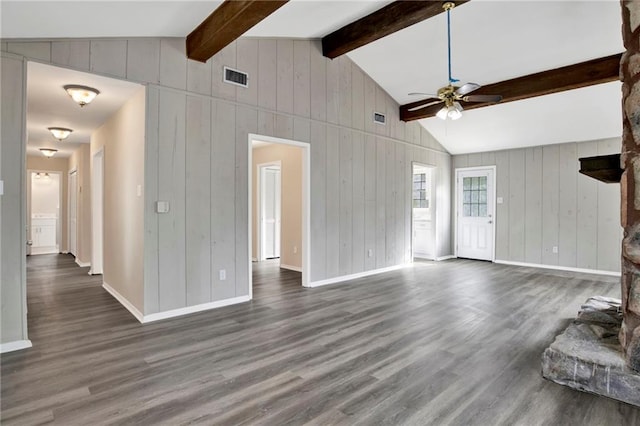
[
  {"x": 379, "y": 118},
  {"x": 236, "y": 77}
]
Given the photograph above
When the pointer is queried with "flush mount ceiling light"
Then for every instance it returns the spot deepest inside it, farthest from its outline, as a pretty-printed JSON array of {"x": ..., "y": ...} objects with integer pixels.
[
  {"x": 48, "y": 152},
  {"x": 451, "y": 94},
  {"x": 82, "y": 95},
  {"x": 60, "y": 133}
]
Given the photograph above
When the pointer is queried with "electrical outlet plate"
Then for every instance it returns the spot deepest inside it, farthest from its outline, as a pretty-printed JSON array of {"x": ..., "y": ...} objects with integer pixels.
[{"x": 162, "y": 207}]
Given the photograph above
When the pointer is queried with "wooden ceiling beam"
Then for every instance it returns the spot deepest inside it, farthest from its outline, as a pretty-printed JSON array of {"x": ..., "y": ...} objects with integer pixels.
[
  {"x": 387, "y": 20},
  {"x": 225, "y": 24},
  {"x": 589, "y": 73}
]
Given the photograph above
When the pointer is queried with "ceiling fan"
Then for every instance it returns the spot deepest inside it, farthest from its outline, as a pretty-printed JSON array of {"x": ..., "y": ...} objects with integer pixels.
[{"x": 451, "y": 94}]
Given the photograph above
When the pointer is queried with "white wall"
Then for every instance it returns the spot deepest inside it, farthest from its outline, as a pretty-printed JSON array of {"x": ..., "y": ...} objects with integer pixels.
[
  {"x": 122, "y": 138},
  {"x": 45, "y": 194},
  {"x": 548, "y": 203},
  {"x": 196, "y": 158}
]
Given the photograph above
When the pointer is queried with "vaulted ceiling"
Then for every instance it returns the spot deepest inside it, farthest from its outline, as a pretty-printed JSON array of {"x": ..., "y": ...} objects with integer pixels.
[{"x": 492, "y": 41}]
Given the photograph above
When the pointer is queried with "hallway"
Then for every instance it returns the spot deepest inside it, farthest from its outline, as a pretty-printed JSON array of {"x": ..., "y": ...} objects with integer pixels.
[{"x": 455, "y": 342}]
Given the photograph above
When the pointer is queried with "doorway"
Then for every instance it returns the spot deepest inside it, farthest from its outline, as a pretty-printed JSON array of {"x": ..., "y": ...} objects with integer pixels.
[
  {"x": 423, "y": 212},
  {"x": 279, "y": 200},
  {"x": 270, "y": 205},
  {"x": 475, "y": 207},
  {"x": 97, "y": 211},
  {"x": 44, "y": 219},
  {"x": 73, "y": 213}
]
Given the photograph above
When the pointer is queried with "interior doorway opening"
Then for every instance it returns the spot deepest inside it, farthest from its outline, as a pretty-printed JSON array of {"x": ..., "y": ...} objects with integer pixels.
[
  {"x": 73, "y": 213},
  {"x": 423, "y": 217},
  {"x": 279, "y": 191},
  {"x": 44, "y": 220}
]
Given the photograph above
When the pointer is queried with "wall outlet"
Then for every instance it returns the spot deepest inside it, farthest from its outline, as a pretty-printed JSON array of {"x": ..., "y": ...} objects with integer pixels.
[
  {"x": 139, "y": 190},
  {"x": 295, "y": 249},
  {"x": 370, "y": 253},
  {"x": 222, "y": 274},
  {"x": 499, "y": 200},
  {"x": 554, "y": 249}
]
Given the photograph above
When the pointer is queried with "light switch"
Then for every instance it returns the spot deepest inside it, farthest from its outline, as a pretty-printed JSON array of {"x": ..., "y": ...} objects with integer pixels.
[
  {"x": 1, "y": 187},
  {"x": 222, "y": 274},
  {"x": 162, "y": 207},
  {"x": 139, "y": 190},
  {"x": 499, "y": 200}
]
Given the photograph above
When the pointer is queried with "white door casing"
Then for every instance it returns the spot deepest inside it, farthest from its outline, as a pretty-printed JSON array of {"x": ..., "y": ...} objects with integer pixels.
[
  {"x": 73, "y": 212},
  {"x": 475, "y": 213},
  {"x": 423, "y": 212},
  {"x": 97, "y": 212}
]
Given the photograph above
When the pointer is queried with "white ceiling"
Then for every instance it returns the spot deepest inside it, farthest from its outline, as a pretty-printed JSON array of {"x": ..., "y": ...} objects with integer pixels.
[
  {"x": 492, "y": 41},
  {"x": 48, "y": 105}
]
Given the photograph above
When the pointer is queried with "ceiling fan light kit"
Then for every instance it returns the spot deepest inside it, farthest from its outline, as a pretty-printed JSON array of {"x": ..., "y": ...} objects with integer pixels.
[{"x": 450, "y": 94}]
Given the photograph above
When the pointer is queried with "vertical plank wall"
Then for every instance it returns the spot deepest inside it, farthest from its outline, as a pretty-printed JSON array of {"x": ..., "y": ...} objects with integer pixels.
[
  {"x": 196, "y": 158},
  {"x": 548, "y": 203},
  {"x": 12, "y": 217}
]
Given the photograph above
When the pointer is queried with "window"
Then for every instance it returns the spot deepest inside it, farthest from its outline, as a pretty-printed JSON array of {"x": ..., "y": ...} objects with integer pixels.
[
  {"x": 474, "y": 193},
  {"x": 420, "y": 191}
]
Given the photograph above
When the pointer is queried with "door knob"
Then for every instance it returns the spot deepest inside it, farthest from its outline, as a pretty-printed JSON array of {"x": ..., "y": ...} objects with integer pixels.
[{"x": 490, "y": 221}]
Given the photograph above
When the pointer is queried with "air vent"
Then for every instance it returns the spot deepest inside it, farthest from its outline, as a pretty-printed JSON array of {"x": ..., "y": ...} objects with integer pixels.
[
  {"x": 379, "y": 118},
  {"x": 236, "y": 77}
]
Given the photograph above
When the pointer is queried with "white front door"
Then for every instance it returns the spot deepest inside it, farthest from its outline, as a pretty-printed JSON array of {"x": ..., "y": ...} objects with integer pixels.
[
  {"x": 475, "y": 213},
  {"x": 270, "y": 212},
  {"x": 73, "y": 211}
]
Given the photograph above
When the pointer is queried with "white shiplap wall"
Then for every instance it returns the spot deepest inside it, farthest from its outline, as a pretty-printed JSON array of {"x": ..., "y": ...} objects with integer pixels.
[{"x": 196, "y": 158}]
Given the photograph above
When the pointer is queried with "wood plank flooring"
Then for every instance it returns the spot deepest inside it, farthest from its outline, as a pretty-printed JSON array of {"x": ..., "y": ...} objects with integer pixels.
[{"x": 455, "y": 342}]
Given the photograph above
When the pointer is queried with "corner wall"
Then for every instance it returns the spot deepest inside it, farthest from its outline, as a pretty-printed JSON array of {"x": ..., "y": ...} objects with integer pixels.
[
  {"x": 122, "y": 140},
  {"x": 80, "y": 161},
  {"x": 548, "y": 203}
]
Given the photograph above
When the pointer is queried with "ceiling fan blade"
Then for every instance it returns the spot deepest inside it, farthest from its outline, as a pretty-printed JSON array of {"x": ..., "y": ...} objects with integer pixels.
[
  {"x": 430, "y": 95},
  {"x": 466, "y": 88},
  {"x": 482, "y": 98},
  {"x": 425, "y": 105}
]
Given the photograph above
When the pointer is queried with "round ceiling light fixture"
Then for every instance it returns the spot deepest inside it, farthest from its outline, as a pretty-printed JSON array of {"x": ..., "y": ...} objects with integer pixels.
[
  {"x": 60, "y": 133},
  {"x": 48, "y": 152},
  {"x": 82, "y": 95}
]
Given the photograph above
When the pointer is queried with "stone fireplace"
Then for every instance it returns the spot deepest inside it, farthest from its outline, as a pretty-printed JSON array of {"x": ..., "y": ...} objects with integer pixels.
[
  {"x": 600, "y": 351},
  {"x": 630, "y": 184}
]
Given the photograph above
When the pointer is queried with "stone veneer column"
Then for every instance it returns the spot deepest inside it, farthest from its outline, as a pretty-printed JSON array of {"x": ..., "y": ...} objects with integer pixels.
[{"x": 630, "y": 183}]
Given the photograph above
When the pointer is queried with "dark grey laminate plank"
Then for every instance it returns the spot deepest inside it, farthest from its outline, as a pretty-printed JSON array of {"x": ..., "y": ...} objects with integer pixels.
[{"x": 455, "y": 342}]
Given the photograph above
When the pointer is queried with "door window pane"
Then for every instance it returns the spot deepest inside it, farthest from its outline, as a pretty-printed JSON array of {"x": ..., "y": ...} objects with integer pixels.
[{"x": 474, "y": 196}]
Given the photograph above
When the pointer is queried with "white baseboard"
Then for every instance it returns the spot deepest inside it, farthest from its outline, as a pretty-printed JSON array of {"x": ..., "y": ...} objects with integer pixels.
[
  {"x": 15, "y": 346},
  {"x": 254, "y": 259},
  {"x": 447, "y": 257},
  {"x": 82, "y": 264},
  {"x": 358, "y": 275},
  {"x": 559, "y": 268},
  {"x": 291, "y": 268},
  {"x": 64, "y": 252},
  {"x": 123, "y": 301},
  {"x": 193, "y": 309},
  {"x": 44, "y": 250}
]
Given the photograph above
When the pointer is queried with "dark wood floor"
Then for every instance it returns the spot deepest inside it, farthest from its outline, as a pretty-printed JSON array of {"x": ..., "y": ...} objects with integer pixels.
[{"x": 457, "y": 342}]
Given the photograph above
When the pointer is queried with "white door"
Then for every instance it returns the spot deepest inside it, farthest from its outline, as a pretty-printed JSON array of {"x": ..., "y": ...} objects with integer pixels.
[
  {"x": 475, "y": 213},
  {"x": 73, "y": 212},
  {"x": 423, "y": 213},
  {"x": 270, "y": 212}
]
